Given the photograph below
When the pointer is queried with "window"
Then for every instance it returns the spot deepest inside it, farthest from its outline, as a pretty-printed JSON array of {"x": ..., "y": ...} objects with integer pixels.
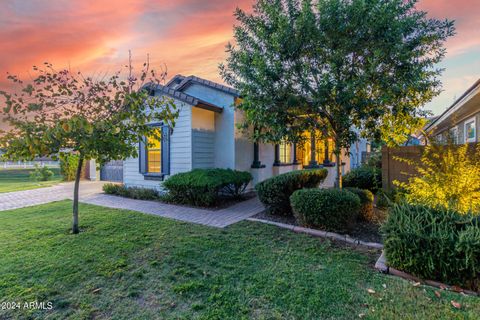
[
  {"x": 470, "y": 130},
  {"x": 154, "y": 152},
  {"x": 454, "y": 135},
  {"x": 285, "y": 153}
]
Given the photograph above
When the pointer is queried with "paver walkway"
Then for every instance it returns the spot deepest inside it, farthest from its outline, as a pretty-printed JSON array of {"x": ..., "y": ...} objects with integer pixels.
[
  {"x": 215, "y": 218},
  {"x": 91, "y": 192}
]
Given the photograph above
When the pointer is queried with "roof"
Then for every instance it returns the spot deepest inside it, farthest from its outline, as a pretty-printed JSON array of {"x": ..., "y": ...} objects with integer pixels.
[
  {"x": 188, "y": 98},
  {"x": 456, "y": 105},
  {"x": 180, "y": 83}
]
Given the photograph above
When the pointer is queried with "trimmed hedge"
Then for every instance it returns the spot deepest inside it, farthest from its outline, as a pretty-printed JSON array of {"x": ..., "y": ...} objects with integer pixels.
[
  {"x": 434, "y": 243},
  {"x": 130, "y": 192},
  {"x": 366, "y": 203},
  {"x": 327, "y": 209},
  {"x": 275, "y": 192},
  {"x": 364, "y": 177},
  {"x": 203, "y": 187},
  {"x": 41, "y": 173}
]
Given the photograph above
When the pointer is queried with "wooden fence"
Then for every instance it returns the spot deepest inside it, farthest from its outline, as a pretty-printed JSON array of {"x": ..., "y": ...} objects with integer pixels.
[{"x": 394, "y": 169}]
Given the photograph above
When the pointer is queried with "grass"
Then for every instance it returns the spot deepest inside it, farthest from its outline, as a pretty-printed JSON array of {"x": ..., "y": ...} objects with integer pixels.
[
  {"x": 19, "y": 179},
  {"x": 127, "y": 265}
]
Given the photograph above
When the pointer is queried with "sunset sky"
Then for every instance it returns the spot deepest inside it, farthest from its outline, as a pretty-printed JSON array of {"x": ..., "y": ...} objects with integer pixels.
[{"x": 189, "y": 36}]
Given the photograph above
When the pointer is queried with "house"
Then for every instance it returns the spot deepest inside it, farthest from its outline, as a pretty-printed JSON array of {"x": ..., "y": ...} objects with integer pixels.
[
  {"x": 205, "y": 136},
  {"x": 460, "y": 121}
]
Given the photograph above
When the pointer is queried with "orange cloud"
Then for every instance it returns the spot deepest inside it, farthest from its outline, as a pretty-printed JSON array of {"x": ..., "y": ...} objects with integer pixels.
[{"x": 189, "y": 36}]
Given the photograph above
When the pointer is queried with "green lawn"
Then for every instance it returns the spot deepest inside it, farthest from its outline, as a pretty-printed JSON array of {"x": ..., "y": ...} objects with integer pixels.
[
  {"x": 19, "y": 179},
  {"x": 127, "y": 265}
]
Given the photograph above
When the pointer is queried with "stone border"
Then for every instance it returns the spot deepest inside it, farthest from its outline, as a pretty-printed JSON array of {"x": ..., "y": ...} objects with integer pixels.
[
  {"x": 321, "y": 233},
  {"x": 381, "y": 265}
]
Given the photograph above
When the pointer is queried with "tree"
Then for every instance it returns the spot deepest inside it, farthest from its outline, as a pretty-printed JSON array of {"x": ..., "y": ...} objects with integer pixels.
[
  {"x": 350, "y": 63},
  {"x": 95, "y": 118}
]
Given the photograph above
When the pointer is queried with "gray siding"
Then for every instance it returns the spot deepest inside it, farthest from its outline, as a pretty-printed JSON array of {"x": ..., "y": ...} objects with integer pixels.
[
  {"x": 180, "y": 152},
  {"x": 203, "y": 149}
]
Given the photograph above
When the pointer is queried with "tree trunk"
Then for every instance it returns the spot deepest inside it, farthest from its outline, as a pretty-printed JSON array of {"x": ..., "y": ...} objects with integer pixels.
[
  {"x": 338, "y": 179},
  {"x": 75, "y": 228}
]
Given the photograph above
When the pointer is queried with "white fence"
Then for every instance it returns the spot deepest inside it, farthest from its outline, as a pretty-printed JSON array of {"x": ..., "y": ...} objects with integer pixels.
[{"x": 27, "y": 164}]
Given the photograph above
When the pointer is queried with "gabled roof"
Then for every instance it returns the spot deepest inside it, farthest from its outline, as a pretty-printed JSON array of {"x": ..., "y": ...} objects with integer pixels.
[
  {"x": 454, "y": 107},
  {"x": 180, "y": 83},
  {"x": 187, "y": 98}
]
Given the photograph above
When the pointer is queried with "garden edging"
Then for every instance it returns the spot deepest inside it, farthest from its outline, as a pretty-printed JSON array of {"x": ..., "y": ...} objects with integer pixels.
[
  {"x": 381, "y": 265},
  {"x": 321, "y": 233}
]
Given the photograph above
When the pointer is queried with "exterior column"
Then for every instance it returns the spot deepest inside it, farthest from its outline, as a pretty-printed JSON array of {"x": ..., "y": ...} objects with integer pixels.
[
  {"x": 295, "y": 160},
  {"x": 326, "y": 162},
  {"x": 256, "y": 157},
  {"x": 276, "y": 162},
  {"x": 313, "y": 152}
]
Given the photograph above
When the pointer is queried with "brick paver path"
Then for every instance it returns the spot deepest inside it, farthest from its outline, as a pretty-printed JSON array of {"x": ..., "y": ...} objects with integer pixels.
[{"x": 91, "y": 192}]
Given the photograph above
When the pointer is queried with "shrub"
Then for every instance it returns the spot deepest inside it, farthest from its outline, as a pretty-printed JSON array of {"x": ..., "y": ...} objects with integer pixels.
[
  {"x": 41, "y": 173},
  {"x": 130, "y": 192},
  {"x": 68, "y": 166},
  {"x": 448, "y": 176},
  {"x": 275, "y": 192},
  {"x": 386, "y": 198},
  {"x": 203, "y": 187},
  {"x": 328, "y": 209},
  {"x": 434, "y": 243},
  {"x": 366, "y": 203},
  {"x": 364, "y": 177}
]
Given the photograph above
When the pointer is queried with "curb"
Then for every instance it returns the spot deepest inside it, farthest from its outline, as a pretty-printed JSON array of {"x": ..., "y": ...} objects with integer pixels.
[
  {"x": 321, "y": 233},
  {"x": 381, "y": 265}
]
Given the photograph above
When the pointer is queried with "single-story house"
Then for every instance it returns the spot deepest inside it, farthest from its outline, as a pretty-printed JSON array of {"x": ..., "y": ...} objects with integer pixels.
[
  {"x": 460, "y": 121},
  {"x": 206, "y": 136}
]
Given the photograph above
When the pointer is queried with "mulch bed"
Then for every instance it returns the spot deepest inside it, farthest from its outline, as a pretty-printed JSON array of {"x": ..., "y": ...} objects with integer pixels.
[{"x": 361, "y": 230}]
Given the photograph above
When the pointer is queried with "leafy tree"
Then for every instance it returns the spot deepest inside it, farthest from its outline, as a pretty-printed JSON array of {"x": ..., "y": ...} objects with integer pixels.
[
  {"x": 343, "y": 66},
  {"x": 94, "y": 118}
]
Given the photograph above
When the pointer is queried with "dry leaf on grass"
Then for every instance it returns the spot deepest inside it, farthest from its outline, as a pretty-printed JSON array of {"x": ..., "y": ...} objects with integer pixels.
[
  {"x": 456, "y": 304},
  {"x": 438, "y": 294},
  {"x": 370, "y": 291}
]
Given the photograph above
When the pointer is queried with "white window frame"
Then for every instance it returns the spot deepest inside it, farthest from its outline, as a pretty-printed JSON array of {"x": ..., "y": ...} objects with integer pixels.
[
  {"x": 454, "y": 134},
  {"x": 474, "y": 121}
]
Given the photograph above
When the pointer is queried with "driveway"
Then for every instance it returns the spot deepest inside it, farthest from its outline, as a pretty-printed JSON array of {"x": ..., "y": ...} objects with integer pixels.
[{"x": 62, "y": 191}]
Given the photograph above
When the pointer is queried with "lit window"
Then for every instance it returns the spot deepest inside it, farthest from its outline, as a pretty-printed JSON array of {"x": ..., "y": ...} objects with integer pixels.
[
  {"x": 154, "y": 152},
  {"x": 470, "y": 130},
  {"x": 285, "y": 153}
]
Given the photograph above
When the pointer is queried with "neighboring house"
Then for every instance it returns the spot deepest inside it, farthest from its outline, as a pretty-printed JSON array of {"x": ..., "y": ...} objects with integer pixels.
[
  {"x": 461, "y": 121},
  {"x": 205, "y": 136}
]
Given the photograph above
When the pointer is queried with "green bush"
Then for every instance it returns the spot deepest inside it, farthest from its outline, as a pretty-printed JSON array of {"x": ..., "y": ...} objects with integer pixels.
[
  {"x": 68, "y": 166},
  {"x": 275, "y": 192},
  {"x": 366, "y": 203},
  {"x": 434, "y": 243},
  {"x": 386, "y": 198},
  {"x": 41, "y": 174},
  {"x": 364, "y": 177},
  {"x": 448, "y": 176},
  {"x": 130, "y": 192},
  {"x": 327, "y": 209},
  {"x": 203, "y": 187}
]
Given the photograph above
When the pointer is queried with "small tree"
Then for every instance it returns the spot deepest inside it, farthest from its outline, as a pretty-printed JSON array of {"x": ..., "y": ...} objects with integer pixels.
[
  {"x": 95, "y": 118},
  {"x": 351, "y": 63},
  {"x": 448, "y": 176}
]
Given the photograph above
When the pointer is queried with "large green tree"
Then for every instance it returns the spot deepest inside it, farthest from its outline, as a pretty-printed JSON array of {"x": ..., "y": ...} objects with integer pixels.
[
  {"x": 101, "y": 118},
  {"x": 351, "y": 67}
]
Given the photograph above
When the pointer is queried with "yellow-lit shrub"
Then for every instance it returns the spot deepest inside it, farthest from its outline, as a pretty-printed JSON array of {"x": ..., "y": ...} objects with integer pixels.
[{"x": 448, "y": 176}]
